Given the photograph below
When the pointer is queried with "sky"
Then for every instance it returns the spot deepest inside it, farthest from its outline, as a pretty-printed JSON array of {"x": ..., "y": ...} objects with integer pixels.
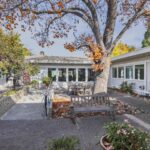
[{"x": 133, "y": 37}]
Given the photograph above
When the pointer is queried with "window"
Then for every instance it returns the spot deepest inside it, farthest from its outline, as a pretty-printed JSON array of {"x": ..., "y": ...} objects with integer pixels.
[
  {"x": 72, "y": 74},
  {"x": 139, "y": 72},
  {"x": 121, "y": 72},
  {"x": 52, "y": 73},
  {"x": 81, "y": 74},
  {"x": 62, "y": 74},
  {"x": 129, "y": 72},
  {"x": 114, "y": 72},
  {"x": 91, "y": 75}
]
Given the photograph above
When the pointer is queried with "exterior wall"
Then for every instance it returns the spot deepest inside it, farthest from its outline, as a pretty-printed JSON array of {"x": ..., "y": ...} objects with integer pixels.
[
  {"x": 44, "y": 72},
  {"x": 115, "y": 82}
]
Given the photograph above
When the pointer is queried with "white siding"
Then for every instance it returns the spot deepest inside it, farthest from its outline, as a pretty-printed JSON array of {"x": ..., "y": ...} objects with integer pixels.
[{"x": 115, "y": 82}]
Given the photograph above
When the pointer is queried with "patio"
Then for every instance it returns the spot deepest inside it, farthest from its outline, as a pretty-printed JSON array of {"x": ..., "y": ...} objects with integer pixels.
[{"x": 33, "y": 135}]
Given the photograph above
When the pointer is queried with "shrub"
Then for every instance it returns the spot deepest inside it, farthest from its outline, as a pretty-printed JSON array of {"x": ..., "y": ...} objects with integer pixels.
[
  {"x": 123, "y": 136},
  {"x": 64, "y": 143},
  {"x": 46, "y": 80},
  {"x": 33, "y": 82},
  {"x": 126, "y": 87},
  {"x": 10, "y": 92}
]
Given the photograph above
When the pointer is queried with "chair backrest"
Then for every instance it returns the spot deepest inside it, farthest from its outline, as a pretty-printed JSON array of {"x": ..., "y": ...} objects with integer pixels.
[{"x": 91, "y": 100}]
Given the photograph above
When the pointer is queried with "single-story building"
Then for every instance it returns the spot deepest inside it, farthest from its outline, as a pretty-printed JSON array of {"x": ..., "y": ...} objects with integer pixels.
[
  {"x": 133, "y": 67},
  {"x": 63, "y": 70}
]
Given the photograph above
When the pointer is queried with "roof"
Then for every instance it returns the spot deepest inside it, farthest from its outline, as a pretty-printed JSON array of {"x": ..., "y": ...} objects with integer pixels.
[
  {"x": 57, "y": 60},
  {"x": 137, "y": 53}
]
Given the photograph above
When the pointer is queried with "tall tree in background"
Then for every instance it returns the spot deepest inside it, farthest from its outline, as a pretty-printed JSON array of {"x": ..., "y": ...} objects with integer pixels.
[
  {"x": 146, "y": 41},
  {"x": 121, "y": 49},
  {"x": 58, "y": 17},
  {"x": 12, "y": 56}
]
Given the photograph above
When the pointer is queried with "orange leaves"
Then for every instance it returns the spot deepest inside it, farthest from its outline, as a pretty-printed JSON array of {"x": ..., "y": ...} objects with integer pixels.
[
  {"x": 8, "y": 17},
  {"x": 97, "y": 67},
  {"x": 60, "y": 4},
  {"x": 70, "y": 47},
  {"x": 8, "y": 26},
  {"x": 96, "y": 55},
  {"x": 94, "y": 1}
]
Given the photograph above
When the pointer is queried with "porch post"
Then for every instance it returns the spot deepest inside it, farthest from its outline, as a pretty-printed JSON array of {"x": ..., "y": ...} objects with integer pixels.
[
  {"x": 67, "y": 75},
  {"x": 86, "y": 74},
  {"x": 77, "y": 76},
  {"x": 57, "y": 74}
]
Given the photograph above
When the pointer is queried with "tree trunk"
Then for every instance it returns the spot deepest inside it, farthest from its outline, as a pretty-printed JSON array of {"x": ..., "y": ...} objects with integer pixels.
[{"x": 101, "y": 80}]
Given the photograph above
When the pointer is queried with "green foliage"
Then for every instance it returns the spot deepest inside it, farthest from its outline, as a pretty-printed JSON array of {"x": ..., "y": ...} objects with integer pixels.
[
  {"x": 31, "y": 69},
  {"x": 10, "y": 92},
  {"x": 123, "y": 136},
  {"x": 12, "y": 53},
  {"x": 126, "y": 87},
  {"x": 146, "y": 41},
  {"x": 33, "y": 82},
  {"x": 46, "y": 80},
  {"x": 121, "y": 48},
  {"x": 64, "y": 143}
]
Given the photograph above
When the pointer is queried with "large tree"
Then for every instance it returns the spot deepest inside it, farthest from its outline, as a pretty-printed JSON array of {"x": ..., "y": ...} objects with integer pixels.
[
  {"x": 146, "y": 41},
  {"x": 60, "y": 16},
  {"x": 12, "y": 56}
]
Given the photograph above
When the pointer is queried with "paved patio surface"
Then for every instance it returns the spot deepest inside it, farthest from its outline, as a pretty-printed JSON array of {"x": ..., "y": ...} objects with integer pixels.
[
  {"x": 34, "y": 134},
  {"x": 133, "y": 101},
  {"x": 28, "y": 108},
  {"x": 23, "y": 127}
]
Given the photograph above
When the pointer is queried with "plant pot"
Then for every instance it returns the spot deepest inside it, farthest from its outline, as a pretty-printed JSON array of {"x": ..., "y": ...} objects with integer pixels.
[{"x": 104, "y": 144}]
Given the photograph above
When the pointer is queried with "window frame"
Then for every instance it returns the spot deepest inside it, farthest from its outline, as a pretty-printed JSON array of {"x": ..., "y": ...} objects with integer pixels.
[
  {"x": 143, "y": 72},
  {"x": 132, "y": 72},
  {"x": 116, "y": 72}
]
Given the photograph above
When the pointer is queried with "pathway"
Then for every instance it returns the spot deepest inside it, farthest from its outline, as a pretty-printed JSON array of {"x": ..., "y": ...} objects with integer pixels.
[{"x": 28, "y": 108}]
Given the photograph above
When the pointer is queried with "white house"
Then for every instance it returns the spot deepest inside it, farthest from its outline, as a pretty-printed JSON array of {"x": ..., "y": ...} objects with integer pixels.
[
  {"x": 133, "y": 67},
  {"x": 63, "y": 70}
]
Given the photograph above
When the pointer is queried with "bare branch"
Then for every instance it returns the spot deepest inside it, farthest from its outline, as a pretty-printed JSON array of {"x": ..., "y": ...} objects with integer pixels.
[
  {"x": 128, "y": 24},
  {"x": 110, "y": 23}
]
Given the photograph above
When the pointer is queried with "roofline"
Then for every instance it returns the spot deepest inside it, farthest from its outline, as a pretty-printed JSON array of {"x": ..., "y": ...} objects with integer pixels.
[{"x": 132, "y": 54}]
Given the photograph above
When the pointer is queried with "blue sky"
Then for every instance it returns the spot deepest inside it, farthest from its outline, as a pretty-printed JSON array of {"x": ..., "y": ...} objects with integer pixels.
[{"x": 133, "y": 36}]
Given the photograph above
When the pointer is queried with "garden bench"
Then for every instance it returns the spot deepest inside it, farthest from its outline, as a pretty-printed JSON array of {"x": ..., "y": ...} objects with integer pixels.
[{"x": 91, "y": 104}]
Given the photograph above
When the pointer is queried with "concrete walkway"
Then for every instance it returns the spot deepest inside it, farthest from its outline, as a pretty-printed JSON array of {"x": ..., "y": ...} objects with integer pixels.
[{"x": 28, "y": 108}]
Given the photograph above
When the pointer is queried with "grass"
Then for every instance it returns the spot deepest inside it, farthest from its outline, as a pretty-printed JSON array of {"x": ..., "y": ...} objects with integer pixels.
[
  {"x": 64, "y": 143},
  {"x": 10, "y": 92}
]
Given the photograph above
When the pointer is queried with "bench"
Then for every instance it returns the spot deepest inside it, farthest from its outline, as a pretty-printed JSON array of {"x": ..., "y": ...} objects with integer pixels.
[{"x": 91, "y": 104}]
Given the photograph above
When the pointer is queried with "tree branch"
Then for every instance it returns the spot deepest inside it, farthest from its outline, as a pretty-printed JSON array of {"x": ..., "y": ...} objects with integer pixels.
[
  {"x": 110, "y": 23},
  {"x": 96, "y": 29},
  {"x": 128, "y": 24}
]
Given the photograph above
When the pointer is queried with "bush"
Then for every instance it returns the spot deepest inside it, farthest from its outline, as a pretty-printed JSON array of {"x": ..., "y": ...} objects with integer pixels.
[
  {"x": 125, "y": 87},
  {"x": 10, "y": 92},
  {"x": 46, "y": 80},
  {"x": 123, "y": 136},
  {"x": 33, "y": 82},
  {"x": 64, "y": 143}
]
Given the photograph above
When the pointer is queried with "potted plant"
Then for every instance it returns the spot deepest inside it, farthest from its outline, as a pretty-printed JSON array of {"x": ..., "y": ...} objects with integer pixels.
[
  {"x": 46, "y": 80},
  {"x": 123, "y": 136}
]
